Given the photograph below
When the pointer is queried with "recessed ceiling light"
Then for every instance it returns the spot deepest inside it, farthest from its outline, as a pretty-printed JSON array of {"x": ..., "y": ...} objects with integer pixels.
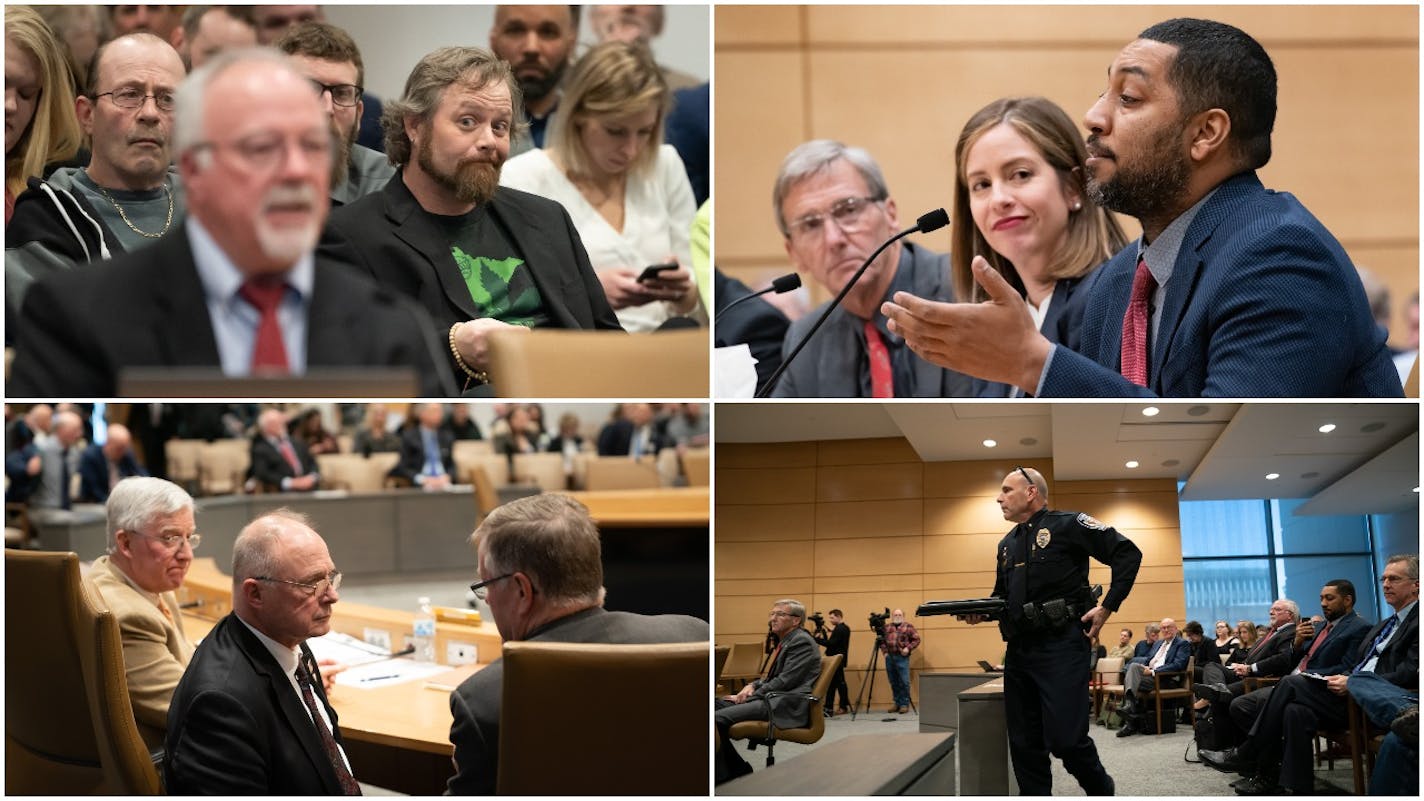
[
  {"x": 1272, "y": 476},
  {"x": 1028, "y": 441},
  {"x": 1150, "y": 411},
  {"x": 1131, "y": 464},
  {"x": 1171, "y": 462},
  {"x": 1198, "y": 411},
  {"x": 989, "y": 443},
  {"x": 1327, "y": 428}
]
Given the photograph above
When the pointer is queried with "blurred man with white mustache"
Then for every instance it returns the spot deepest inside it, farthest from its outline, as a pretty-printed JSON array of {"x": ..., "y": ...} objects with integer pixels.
[
  {"x": 477, "y": 256},
  {"x": 237, "y": 285}
]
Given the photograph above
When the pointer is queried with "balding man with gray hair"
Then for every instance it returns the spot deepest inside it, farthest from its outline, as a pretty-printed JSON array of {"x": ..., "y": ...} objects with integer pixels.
[
  {"x": 833, "y": 209},
  {"x": 541, "y": 574},
  {"x": 59, "y": 463},
  {"x": 152, "y": 536},
  {"x": 102, "y": 467}
]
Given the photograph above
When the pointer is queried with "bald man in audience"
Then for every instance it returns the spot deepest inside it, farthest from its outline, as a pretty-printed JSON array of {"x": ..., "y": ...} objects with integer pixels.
[
  {"x": 152, "y": 535},
  {"x": 209, "y": 30},
  {"x": 279, "y": 462},
  {"x": 102, "y": 467}
]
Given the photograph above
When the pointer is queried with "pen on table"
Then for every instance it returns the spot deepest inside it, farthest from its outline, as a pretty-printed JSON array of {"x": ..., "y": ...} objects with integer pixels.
[{"x": 378, "y": 678}]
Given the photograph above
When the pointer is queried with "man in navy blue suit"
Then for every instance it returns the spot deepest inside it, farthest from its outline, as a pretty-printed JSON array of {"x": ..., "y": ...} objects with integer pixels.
[
  {"x": 1234, "y": 290},
  {"x": 103, "y": 466},
  {"x": 1170, "y": 655}
]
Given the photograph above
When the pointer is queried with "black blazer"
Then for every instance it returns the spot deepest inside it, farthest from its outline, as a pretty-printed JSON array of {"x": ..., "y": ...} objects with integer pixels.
[
  {"x": 1334, "y": 656},
  {"x": 1399, "y": 662},
  {"x": 1273, "y": 658},
  {"x": 236, "y": 726},
  {"x": 80, "y": 327},
  {"x": 412, "y": 453},
  {"x": 387, "y": 236},
  {"x": 269, "y": 466}
]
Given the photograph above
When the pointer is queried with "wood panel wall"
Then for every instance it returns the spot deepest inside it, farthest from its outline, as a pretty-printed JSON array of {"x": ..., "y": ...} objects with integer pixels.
[
  {"x": 864, "y": 524},
  {"x": 902, "y": 80}
]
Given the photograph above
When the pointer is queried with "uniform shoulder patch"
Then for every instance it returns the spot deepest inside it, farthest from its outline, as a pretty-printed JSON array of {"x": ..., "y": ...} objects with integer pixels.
[{"x": 1088, "y": 521}]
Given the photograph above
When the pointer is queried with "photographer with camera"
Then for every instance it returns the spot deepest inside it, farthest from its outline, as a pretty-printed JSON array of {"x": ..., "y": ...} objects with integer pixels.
[
  {"x": 835, "y": 641},
  {"x": 898, "y": 640}
]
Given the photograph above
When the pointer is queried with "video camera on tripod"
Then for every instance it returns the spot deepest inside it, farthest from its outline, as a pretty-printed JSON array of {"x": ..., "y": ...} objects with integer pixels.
[
  {"x": 819, "y": 620},
  {"x": 877, "y": 624}
]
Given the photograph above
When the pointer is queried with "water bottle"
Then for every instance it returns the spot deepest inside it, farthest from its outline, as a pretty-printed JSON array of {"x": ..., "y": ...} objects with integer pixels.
[{"x": 424, "y": 639}]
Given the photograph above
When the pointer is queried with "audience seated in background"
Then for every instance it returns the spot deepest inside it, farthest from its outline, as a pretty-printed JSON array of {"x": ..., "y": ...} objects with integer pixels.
[
  {"x": 102, "y": 467},
  {"x": 1123, "y": 649},
  {"x": 460, "y": 425},
  {"x": 568, "y": 441},
  {"x": 630, "y": 433},
  {"x": 23, "y": 463},
  {"x": 329, "y": 58},
  {"x": 152, "y": 536},
  {"x": 1169, "y": 655},
  {"x": 628, "y": 194},
  {"x": 59, "y": 461},
  {"x": 537, "y": 42},
  {"x": 308, "y": 428},
  {"x": 235, "y": 287},
  {"x": 1269, "y": 657},
  {"x": 541, "y": 574},
  {"x": 519, "y": 434},
  {"x": 637, "y": 25},
  {"x": 127, "y": 197},
  {"x": 1144, "y": 647},
  {"x": 278, "y": 462},
  {"x": 476, "y": 256},
  {"x": 209, "y": 30},
  {"x": 161, "y": 21},
  {"x": 41, "y": 128},
  {"x": 688, "y": 427},
  {"x": 1247, "y": 636},
  {"x": 427, "y": 450},
  {"x": 80, "y": 30},
  {"x": 374, "y": 436}
]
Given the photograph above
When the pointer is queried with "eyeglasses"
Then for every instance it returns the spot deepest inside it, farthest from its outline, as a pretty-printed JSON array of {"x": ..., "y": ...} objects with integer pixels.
[
  {"x": 479, "y": 587},
  {"x": 846, "y": 213},
  {"x": 779, "y": 613},
  {"x": 131, "y": 98},
  {"x": 332, "y": 579},
  {"x": 264, "y": 152},
  {"x": 1024, "y": 473},
  {"x": 342, "y": 94},
  {"x": 173, "y": 542}
]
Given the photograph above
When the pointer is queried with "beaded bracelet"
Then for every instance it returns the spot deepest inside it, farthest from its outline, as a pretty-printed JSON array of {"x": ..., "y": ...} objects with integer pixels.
[{"x": 478, "y": 375}]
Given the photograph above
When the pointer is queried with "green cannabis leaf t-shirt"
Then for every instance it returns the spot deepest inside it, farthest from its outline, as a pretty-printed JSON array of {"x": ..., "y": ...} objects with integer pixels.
[{"x": 498, "y": 279}]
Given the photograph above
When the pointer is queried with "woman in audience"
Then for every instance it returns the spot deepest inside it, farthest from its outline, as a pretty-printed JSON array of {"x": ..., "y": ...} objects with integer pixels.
[
  {"x": 520, "y": 437},
  {"x": 627, "y": 193},
  {"x": 311, "y": 433},
  {"x": 1019, "y": 175},
  {"x": 1226, "y": 641},
  {"x": 373, "y": 436},
  {"x": 1246, "y": 637},
  {"x": 40, "y": 124}
]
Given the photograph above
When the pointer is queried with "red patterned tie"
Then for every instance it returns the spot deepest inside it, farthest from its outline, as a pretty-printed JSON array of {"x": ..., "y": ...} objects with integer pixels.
[
  {"x": 269, "y": 355},
  {"x": 1314, "y": 646},
  {"x": 1134, "y": 326},
  {"x": 882, "y": 380}
]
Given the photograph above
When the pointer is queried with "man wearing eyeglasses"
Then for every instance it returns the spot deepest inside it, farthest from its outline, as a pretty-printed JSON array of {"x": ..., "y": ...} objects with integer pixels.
[
  {"x": 834, "y": 209},
  {"x": 1049, "y": 619},
  {"x": 152, "y": 538},
  {"x": 250, "y": 716},
  {"x": 329, "y": 58},
  {"x": 541, "y": 575},
  {"x": 127, "y": 197}
]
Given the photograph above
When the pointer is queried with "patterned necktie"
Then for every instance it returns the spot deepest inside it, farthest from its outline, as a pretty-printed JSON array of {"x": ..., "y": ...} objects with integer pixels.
[
  {"x": 1379, "y": 638},
  {"x": 269, "y": 354},
  {"x": 1260, "y": 646},
  {"x": 1134, "y": 326},
  {"x": 882, "y": 379},
  {"x": 305, "y": 679},
  {"x": 290, "y": 454},
  {"x": 1320, "y": 638},
  {"x": 65, "y": 502}
]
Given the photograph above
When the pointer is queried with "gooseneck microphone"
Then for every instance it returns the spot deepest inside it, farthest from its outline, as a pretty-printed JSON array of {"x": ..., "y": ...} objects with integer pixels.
[
  {"x": 785, "y": 283},
  {"x": 931, "y": 221}
]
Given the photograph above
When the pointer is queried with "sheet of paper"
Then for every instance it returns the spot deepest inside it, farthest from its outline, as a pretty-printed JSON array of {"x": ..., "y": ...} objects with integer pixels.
[
  {"x": 734, "y": 371},
  {"x": 391, "y": 671},
  {"x": 345, "y": 649}
]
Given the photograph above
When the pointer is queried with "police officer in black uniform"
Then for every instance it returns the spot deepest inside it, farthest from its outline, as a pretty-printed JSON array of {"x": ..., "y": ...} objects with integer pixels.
[{"x": 1049, "y": 618}]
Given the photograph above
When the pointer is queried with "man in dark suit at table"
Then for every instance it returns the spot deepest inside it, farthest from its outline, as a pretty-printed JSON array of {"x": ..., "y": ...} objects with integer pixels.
[
  {"x": 427, "y": 457},
  {"x": 1170, "y": 654},
  {"x": 250, "y": 715},
  {"x": 103, "y": 466},
  {"x": 1234, "y": 290},
  {"x": 235, "y": 287},
  {"x": 541, "y": 574},
  {"x": 477, "y": 256},
  {"x": 280, "y": 463}
]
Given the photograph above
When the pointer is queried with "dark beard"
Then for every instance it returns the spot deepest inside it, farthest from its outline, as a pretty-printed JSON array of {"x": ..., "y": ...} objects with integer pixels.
[
  {"x": 341, "y": 156},
  {"x": 471, "y": 182},
  {"x": 1154, "y": 189},
  {"x": 540, "y": 88}
]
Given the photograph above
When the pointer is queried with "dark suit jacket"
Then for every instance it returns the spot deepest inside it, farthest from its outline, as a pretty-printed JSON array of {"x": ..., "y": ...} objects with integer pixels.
[
  {"x": 94, "y": 473},
  {"x": 1335, "y": 655},
  {"x": 794, "y": 672},
  {"x": 1273, "y": 658},
  {"x": 387, "y": 236},
  {"x": 837, "y": 641},
  {"x": 1399, "y": 662},
  {"x": 475, "y": 704},
  {"x": 22, "y": 484},
  {"x": 412, "y": 453},
  {"x": 236, "y": 726},
  {"x": 269, "y": 467},
  {"x": 80, "y": 327},
  {"x": 757, "y": 323},
  {"x": 1262, "y": 301},
  {"x": 1142, "y": 649},
  {"x": 1062, "y": 325},
  {"x": 616, "y": 439}
]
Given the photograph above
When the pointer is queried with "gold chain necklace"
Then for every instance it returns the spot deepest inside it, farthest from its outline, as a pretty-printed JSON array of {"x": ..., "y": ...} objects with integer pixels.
[{"x": 166, "y": 224}]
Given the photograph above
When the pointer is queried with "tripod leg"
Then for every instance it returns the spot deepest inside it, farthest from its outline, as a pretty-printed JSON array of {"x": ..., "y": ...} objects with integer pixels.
[{"x": 867, "y": 682}]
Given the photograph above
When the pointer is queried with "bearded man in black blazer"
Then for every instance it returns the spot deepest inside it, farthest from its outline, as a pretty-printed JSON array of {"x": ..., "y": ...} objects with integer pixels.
[
  {"x": 477, "y": 256},
  {"x": 250, "y": 715},
  {"x": 236, "y": 286}
]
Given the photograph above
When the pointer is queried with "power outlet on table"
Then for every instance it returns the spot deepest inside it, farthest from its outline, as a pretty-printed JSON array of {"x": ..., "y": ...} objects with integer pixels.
[
  {"x": 377, "y": 637},
  {"x": 460, "y": 653}
]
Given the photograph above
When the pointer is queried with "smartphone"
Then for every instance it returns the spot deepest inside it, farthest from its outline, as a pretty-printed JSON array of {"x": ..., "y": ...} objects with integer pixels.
[{"x": 651, "y": 272}]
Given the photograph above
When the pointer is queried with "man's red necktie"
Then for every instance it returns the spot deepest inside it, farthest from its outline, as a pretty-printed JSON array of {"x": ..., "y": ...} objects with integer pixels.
[
  {"x": 269, "y": 354},
  {"x": 1134, "y": 326},
  {"x": 882, "y": 379}
]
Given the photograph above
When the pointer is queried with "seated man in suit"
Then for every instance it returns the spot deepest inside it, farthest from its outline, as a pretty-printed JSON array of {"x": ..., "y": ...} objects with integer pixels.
[
  {"x": 1145, "y": 646},
  {"x": 477, "y": 256},
  {"x": 1268, "y": 658},
  {"x": 427, "y": 450},
  {"x": 1170, "y": 654},
  {"x": 1322, "y": 648},
  {"x": 102, "y": 467},
  {"x": 1277, "y": 751},
  {"x": 541, "y": 573},
  {"x": 1226, "y": 291},
  {"x": 152, "y": 537},
  {"x": 59, "y": 462},
  {"x": 793, "y": 671},
  {"x": 250, "y": 716},
  {"x": 23, "y": 463},
  {"x": 834, "y": 210},
  {"x": 632, "y": 434},
  {"x": 236, "y": 286},
  {"x": 280, "y": 463}
]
